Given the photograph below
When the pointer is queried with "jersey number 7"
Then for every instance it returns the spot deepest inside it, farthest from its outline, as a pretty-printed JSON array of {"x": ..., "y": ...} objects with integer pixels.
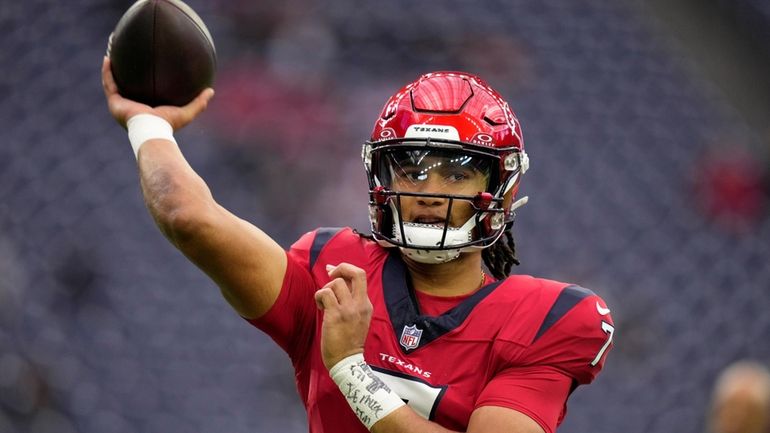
[{"x": 609, "y": 330}]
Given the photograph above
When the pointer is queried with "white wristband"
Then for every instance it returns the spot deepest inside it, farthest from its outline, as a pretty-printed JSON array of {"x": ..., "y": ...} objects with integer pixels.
[
  {"x": 143, "y": 127},
  {"x": 369, "y": 397}
]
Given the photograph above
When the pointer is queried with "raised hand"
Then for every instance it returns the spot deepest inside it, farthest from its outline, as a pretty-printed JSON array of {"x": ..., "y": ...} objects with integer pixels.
[
  {"x": 123, "y": 109},
  {"x": 347, "y": 313}
]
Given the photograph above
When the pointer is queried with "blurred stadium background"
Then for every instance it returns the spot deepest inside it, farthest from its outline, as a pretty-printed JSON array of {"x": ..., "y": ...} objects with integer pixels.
[{"x": 647, "y": 126}]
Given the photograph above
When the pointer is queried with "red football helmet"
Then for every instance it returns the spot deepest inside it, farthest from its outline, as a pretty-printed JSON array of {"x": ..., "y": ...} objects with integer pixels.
[{"x": 447, "y": 140}]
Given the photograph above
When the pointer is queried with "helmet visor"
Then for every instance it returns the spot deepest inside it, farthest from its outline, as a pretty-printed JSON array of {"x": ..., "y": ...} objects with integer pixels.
[{"x": 434, "y": 171}]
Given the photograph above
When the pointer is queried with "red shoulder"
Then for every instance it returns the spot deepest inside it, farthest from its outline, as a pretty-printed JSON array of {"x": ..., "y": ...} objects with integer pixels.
[
  {"x": 329, "y": 245},
  {"x": 558, "y": 324},
  {"x": 525, "y": 301}
]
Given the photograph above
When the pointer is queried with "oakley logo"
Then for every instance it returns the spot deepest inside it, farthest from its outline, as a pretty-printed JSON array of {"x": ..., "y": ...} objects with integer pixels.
[{"x": 483, "y": 139}]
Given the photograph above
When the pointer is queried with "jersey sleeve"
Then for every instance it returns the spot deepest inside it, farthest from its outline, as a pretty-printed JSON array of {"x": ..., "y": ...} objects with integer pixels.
[
  {"x": 290, "y": 322},
  {"x": 575, "y": 336},
  {"x": 568, "y": 335},
  {"x": 538, "y": 392}
]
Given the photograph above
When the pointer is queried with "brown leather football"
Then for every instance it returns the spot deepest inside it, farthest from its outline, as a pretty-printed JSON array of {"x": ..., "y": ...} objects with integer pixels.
[{"x": 162, "y": 53}]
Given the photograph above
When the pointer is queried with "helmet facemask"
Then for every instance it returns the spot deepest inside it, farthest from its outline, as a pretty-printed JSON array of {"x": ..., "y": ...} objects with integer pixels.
[{"x": 437, "y": 198}]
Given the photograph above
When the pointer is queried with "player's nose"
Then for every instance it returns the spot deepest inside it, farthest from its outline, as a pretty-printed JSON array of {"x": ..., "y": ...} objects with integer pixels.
[{"x": 431, "y": 200}]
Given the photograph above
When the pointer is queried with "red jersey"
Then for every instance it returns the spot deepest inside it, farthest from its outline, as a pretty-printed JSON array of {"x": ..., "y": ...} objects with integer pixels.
[{"x": 521, "y": 343}]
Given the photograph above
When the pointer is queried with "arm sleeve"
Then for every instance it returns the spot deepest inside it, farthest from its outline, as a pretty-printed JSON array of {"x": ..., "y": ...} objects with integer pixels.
[
  {"x": 290, "y": 322},
  {"x": 538, "y": 392}
]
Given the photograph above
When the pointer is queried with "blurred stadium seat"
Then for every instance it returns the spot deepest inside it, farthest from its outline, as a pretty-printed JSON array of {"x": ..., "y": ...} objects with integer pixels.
[{"x": 121, "y": 334}]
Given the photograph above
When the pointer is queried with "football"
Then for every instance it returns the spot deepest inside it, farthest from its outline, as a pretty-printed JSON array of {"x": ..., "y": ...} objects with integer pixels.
[{"x": 161, "y": 53}]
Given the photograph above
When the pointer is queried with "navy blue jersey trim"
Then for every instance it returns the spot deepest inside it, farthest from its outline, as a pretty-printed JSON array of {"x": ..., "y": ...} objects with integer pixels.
[
  {"x": 322, "y": 236},
  {"x": 568, "y": 298},
  {"x": 404, "y": 311}
]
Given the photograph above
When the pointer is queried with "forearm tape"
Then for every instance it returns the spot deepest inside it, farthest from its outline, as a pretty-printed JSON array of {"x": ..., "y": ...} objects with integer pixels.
[
  {"x": 369, "y": 397},
  {"x": 143, "y": 127}
]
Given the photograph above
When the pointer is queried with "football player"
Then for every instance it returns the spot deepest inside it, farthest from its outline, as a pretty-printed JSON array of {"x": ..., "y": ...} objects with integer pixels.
[{"x": 400, "y": 330}]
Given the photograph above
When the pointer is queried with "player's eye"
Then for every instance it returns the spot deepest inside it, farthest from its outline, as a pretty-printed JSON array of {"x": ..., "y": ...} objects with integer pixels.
[
  {"x": 457, "y": 174},
  {"x": 456, "y": 177},
  {"x": 414, "y": 174}
]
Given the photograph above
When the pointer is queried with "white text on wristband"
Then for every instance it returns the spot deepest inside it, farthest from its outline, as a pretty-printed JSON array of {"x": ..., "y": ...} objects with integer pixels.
[
  {"x": 143, "y": 127},
  {"x": 369, "y": 397}
]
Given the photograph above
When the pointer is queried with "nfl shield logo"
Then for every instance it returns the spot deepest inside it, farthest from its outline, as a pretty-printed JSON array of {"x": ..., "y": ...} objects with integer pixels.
[{"x": 410, "y": 337}]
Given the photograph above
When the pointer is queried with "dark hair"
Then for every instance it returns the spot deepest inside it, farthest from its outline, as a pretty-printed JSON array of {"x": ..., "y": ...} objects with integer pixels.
[{"x": 501, "y": 256}]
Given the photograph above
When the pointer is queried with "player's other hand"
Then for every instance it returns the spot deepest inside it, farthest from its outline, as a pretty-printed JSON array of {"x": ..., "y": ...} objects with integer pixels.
[
  {"x": 123, "y": 109},
  {"x": 347, "y": 313}
]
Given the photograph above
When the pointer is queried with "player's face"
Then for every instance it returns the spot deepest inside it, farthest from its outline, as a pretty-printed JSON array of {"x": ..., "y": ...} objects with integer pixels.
[{"x": 440, "y": 173}]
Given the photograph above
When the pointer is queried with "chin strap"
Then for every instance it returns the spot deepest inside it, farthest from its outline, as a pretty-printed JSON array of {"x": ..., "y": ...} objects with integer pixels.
[{"x": 428, "y": 235}]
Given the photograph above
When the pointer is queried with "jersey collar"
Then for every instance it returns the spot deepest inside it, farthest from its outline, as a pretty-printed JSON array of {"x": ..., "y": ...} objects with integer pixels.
[{"x": 413, "y": 329}]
